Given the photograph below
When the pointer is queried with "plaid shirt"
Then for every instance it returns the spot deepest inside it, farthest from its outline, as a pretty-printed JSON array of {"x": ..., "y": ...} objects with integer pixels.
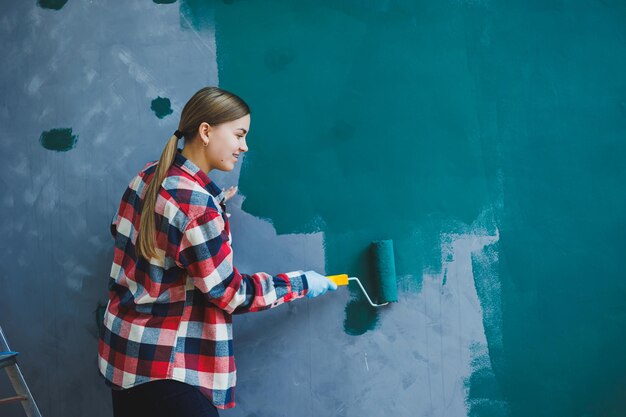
[{"x": 171, "y": 317}]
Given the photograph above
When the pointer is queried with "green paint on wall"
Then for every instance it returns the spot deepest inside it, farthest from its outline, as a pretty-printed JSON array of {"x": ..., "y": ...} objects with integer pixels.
[
  {"x": 409, "y": 284},
  {"x": 60, "y": 140},
  {"x": 484, "y": 397},
  {"x": 549, "y": 78},
  {"x": 368, "y": 148},
  {"x": 51, "y": 4},
  {"x": 360, "y": 317},
  {"x": 161, "y": 106},
  {"x": 402, "y": 120},
  {"x": 484, "y": 393},
  {"x": 197, "y": 15},
  {"x": 164, "y": 1}
]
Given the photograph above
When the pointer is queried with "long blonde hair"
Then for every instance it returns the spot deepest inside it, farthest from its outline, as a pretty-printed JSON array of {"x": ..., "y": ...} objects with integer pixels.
[{"x": 211, "y": 105}]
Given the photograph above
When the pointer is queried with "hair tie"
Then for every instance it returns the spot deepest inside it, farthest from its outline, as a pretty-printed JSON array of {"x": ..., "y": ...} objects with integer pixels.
[{"x": 178, "y": 134}]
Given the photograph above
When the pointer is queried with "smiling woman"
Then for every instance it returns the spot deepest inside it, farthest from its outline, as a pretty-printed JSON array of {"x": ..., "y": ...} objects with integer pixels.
[
  {"x": 166, "y": 342},
  {"x": 219, "y": 146}
]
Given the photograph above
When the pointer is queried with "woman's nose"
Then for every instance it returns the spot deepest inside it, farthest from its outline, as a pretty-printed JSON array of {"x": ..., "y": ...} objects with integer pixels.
[{"x": 243, "y": 146}]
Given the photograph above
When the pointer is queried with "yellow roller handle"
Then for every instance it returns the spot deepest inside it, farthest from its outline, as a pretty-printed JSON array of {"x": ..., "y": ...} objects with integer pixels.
[{"x": 341, "y": 279}]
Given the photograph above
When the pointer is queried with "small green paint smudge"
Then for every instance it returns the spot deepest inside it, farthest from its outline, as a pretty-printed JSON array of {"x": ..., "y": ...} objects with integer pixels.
[
  {"x": 445, "y": 278},
  {"x": 164, "y": 1},
  {"x": 161, "y": 106},
  {"x": 51, "y": 4},
  {"x": 59, "y": 140}
]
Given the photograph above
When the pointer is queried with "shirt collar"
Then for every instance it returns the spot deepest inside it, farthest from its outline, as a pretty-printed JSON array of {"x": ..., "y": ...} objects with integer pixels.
[{"x": 199, "y": 175}]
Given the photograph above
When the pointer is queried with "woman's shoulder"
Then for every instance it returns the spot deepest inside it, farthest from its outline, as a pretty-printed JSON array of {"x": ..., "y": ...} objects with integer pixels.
[
  {"x": 149, "y": 166},
  {"x": 189, "y": 196}
]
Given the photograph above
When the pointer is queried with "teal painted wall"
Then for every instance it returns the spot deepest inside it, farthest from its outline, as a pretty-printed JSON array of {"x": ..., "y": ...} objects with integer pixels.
[{"x": 409, "y": 119}]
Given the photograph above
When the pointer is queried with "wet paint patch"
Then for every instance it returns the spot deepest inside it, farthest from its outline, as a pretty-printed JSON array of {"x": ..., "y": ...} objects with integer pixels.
[
  {"x": 360, "y": 318},
  {"x": 484, "y": 392},
  {"x": 484, "y": 395},
  {"x": 487, "y": 282},
  {"x": 59, "y": 140},
  {"x": 164, "y": 1},
  {"x": 51, "y": 4},
  {"x": 161, "y": 106}
]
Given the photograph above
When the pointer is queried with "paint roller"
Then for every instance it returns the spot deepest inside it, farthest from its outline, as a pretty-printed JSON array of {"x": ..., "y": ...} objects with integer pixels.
[{"x": 383, "y": 271}]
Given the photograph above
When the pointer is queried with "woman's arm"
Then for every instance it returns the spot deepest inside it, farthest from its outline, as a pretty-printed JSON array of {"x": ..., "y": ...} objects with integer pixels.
[{"x": 206, "y": 254}]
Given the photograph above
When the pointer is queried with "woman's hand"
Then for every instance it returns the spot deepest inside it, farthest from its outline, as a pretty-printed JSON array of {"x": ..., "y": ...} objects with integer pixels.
[
  {"x": 230, "y": 192},
  {"x": 318, "y": 284}
]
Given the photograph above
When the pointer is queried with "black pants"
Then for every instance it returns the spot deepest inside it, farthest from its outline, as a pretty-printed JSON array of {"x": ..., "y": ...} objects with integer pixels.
[{"x": 162, "y": 398}]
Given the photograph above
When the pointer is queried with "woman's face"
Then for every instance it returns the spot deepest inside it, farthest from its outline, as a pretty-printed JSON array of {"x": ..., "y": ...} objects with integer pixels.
[{"x": 227, "y": 143}]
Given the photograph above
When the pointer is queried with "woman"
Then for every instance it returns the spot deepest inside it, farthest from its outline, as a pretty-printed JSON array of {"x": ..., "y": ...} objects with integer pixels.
[{"x": 166, "y": 348}]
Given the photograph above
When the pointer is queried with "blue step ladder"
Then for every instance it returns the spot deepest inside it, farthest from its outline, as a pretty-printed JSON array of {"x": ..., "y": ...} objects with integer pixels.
[{"x": 8, "y": 361}]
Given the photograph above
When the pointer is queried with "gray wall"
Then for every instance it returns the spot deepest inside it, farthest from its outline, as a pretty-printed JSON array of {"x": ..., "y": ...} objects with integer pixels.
[{"x": 94, "y": 67}]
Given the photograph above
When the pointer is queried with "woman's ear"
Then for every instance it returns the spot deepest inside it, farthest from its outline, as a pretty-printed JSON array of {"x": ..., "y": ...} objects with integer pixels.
[{"x": 204, "y": 131}]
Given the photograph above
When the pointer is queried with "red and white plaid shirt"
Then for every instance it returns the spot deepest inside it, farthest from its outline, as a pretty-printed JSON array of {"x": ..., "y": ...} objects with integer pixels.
[{"x": 171, "y": 317}]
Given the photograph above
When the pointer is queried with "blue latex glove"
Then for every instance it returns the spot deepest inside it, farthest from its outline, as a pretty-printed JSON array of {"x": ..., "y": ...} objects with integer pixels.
[{"x": 318, "y": 284}]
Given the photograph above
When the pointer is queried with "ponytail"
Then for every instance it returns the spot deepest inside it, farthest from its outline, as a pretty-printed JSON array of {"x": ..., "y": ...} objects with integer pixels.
[
  {"x": 145, "y": 239},
  {"x": 209, "y": 104}
]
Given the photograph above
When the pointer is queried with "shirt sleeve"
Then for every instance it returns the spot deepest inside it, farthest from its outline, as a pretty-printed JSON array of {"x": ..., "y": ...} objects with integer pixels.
[{"x": 206, "y": 254}]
